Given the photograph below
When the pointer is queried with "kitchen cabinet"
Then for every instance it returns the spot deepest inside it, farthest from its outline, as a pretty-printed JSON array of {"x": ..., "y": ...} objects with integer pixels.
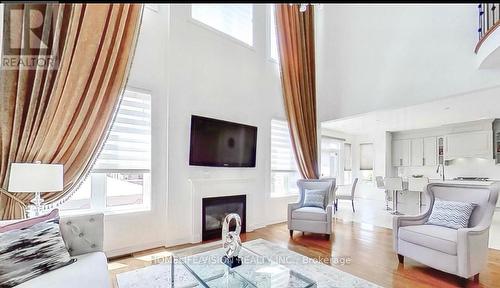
[
  {"x": 423, "y": 151},
  {"x": 476, "y": 144},
  {"x": 417, "y": 152},
  {"x": 401, "y": 153},
  {"x": 430, "y": 151}
]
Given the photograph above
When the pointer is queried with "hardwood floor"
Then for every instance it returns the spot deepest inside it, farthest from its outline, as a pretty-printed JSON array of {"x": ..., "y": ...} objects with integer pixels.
[{"x": 368, "y": 248}]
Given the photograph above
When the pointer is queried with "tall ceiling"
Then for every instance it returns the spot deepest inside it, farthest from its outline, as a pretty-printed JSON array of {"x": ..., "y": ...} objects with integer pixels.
[
  {"x": 477, "y": 105},
  {"x": 383, "y": 56}
]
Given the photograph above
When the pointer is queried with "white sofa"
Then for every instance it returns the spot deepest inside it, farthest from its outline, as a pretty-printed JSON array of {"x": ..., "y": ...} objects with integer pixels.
[{"x": 83, "y": 236}]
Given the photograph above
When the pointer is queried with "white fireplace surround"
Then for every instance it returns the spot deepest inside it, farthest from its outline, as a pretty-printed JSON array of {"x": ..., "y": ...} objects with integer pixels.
[{"x": 220, "y": 187}]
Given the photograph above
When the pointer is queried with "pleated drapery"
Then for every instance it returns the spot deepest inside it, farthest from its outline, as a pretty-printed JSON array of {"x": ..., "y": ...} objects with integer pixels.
[
  {"x": 295, "y": 33},
  {"x": 62, "y": 115}
]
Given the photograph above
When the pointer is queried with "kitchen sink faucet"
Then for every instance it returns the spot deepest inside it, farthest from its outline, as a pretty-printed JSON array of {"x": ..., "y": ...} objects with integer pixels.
[{"x": 440, "y": 170}]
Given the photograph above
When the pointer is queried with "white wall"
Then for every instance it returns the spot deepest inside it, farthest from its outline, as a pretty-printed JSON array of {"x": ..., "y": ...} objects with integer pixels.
[
  {"x": 215, "y": 76},
  {"x": 382, "y": 56},
  {"x": 192, "y": 69},
  {"x": 128, "y": 232}
]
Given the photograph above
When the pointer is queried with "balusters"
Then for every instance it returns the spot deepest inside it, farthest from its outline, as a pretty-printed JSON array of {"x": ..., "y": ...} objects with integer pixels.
[
  {"x": 493, "y": 7},
  {"x": 480, "y": 30},
  {"x": 488, "y": 18}
]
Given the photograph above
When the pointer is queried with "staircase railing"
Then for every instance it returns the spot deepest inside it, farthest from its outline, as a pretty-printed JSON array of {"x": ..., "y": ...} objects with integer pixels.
[{"x": 489, "y": 20}]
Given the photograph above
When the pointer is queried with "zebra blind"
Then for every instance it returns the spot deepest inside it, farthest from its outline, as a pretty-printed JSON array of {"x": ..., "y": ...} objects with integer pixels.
[
  {"x": 282, "y": 155},
  {"x": 366, "y": 156},
  {"x": 128, "y": 146}
]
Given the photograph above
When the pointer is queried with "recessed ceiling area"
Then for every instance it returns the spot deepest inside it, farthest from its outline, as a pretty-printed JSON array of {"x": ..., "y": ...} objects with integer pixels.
[{"x": 477, "y": 105}]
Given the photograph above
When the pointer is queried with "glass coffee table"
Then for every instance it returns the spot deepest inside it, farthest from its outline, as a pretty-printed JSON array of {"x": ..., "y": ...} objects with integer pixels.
[{"x": 255, "y": 271}]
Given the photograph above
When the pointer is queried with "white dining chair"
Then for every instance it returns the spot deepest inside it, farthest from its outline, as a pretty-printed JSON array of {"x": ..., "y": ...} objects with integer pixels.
[
  {"x": 380, "y": 185},
  {"x": 346, "y": 196},
  {"x": 418, "y": 185},
  {"x": 394, "y": 184}
]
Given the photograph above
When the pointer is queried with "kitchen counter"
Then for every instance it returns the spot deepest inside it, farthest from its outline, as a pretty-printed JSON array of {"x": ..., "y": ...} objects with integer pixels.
[
  {"x": 454, "y": 181},
  {"x": 463, "y": 182},
  {"x": 446, "y": 181}
]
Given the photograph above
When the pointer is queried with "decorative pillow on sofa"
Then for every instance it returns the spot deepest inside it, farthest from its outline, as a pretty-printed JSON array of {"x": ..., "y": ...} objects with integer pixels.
[
  {"x": 450, "y": 214},
  {"x": 315, "y": 198},
  {"x": 29, "y": 252}
]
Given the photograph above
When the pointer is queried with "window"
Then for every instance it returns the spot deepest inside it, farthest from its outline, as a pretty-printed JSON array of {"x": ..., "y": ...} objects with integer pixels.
[
  {"x": 235, "y": 20},
  {"x": 121, "y": 176},
  {"x": 330, "y": 157},
  {"x": 273, "y": 38},
  {"x": 366, "y": 161},
  {"x": 284, "y": 173},
  {"x": 347, "y": 164},
  {"x": 81, "y": 199}
]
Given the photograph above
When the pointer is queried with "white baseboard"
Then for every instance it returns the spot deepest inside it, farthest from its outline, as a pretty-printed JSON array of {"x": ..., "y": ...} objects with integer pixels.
[
  {"x": 178, "y": 241},
  {"x": 133, "y": 248},
  {"x": 256, "y": 226},
  {"x": 276, "y": 221}
]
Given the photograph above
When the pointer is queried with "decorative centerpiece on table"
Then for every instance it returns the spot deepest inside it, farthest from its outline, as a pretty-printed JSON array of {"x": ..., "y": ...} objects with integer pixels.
[{"x": 231, "y": 241}]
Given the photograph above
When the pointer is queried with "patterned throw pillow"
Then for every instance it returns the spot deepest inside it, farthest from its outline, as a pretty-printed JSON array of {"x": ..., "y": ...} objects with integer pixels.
[
  {"x": 30, "y": 252},
  {"x": 315, "y": 198},
  {"x": 450, "y": 214}
]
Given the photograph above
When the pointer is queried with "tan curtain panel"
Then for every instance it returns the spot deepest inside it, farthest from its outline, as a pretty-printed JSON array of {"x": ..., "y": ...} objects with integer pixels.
[
  {"x": 62, "y": 115},
  {"x": 295, "y": 31}
]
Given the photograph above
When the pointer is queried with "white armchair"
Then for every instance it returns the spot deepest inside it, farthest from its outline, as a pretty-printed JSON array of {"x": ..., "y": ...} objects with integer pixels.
[
  {"x": 462, "y": 252},
  {"x": 312, "y": 219}
]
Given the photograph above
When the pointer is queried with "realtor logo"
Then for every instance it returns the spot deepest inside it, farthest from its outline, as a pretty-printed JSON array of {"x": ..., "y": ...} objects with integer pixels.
[{"x": 26, "y": 35}]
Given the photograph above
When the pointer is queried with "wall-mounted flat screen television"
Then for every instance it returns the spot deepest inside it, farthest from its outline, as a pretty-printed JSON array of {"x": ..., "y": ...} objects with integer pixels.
[{"x": 221, "y": 143}]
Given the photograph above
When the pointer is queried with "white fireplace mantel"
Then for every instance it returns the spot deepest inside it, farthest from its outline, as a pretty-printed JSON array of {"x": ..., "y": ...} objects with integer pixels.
[{"x": 218, "y": 187}]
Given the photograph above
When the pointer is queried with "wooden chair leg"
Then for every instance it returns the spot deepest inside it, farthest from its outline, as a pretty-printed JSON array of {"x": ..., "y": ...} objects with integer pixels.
[
  {"x": 291, "y": 233},
  {"x": 401, "y": 258}
]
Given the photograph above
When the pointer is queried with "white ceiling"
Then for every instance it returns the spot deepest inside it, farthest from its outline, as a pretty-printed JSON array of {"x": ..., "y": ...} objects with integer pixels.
[
  {"x": 484, "y": 104},
  {"x": 373, "y": 57}
]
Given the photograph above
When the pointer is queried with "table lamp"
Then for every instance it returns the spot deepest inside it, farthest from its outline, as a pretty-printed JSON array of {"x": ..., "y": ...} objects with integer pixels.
[{"x": 35, "y": 178}]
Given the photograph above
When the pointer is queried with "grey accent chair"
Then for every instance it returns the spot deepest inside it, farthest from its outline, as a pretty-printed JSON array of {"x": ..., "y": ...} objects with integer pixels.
[
  {"x": 312, "y": 219},
  {"x": 349, "y": 197},
  {"x": 462, "y": 252}
]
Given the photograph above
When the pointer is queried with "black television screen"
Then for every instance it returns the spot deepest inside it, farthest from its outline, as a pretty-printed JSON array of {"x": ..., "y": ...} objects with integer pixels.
[{"x": 221, "y": 143}]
